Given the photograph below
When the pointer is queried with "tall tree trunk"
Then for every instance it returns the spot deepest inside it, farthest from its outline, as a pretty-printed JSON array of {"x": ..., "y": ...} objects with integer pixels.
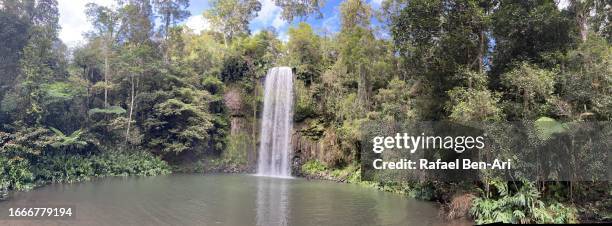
[
  {"x": 136, "y": 94},
  {"x": 107, "y": 50},
  {"x": 362, "y": 87},
  {"x": 166, "y": 47},
  {"x": 525, "y": 103},
  {"x": 106, "y": 77},
  {"x": 481, "y": 50},
  {"x": 581, "y": 10},
  {"x": 127, "y": 133},
  {"x": 87, "y": 100},
  {"x": 225, "y": 40},
  {"x": 582, "y": 20}
]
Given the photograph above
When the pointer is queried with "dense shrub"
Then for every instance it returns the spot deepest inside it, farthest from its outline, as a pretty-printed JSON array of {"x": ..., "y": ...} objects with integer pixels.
[
  {"x": 351, "y": 174},
  {"x": 129, "y": 163},
  {"x": 313, "y": 167},
  {"x": 520, "y": 206},
  {"x": 19, "y": 174},
  {"x": 59, "y": 168},
  {"x": 15, "y": 174}
]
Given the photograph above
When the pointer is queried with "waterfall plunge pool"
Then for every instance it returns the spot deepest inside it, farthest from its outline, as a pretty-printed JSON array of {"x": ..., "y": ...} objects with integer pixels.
[{"x": 222, "y": 199}]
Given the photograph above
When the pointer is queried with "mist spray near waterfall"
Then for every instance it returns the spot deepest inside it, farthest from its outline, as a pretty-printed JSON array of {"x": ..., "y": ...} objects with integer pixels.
[{"x": 276, "y": 125}]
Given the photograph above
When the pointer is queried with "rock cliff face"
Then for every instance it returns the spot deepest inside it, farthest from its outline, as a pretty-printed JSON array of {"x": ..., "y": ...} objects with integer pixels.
[
  {"x": 241, "y": 126},
  {"x": 311, "y": 141},
  {"x": 304, "y": 149},
  {"x": 233, "y": 101}
]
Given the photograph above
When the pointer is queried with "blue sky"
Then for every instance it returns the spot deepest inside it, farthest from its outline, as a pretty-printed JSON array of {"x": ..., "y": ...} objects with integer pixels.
[
  {"x": 269, "y": 16},
  {"x": 74, "y": 22}
]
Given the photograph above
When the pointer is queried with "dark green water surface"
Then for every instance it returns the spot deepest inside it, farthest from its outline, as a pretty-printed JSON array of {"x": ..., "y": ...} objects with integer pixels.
[{"x": 194, "y": 199}]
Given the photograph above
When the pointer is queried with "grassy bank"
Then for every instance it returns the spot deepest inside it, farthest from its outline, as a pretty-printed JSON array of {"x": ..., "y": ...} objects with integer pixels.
[{"x": 352, "y": 174}]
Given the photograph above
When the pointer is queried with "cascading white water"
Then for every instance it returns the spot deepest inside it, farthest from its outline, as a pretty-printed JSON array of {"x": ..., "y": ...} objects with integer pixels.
[{"x": 276, "y": 124}]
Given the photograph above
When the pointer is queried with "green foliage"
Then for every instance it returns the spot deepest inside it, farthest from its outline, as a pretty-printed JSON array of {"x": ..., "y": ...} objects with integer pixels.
[
  {"x": 15, "y": 174},
  {"x": 58, "y": 169},
  {"x": 171, "y": 12},
  {"x": 546, "y": 127},
  {"x": 292, "y": 9},
  {"x": 74, "y": 139},
  {"x": 25, "y": 142},
  {"x": 304, "y": 53},
  {"x": 555, "y": 213},
  {"x": 10, "y": 103},
  {"x": 520, "y": 206},
  {"x": 181, "y": 123},
  {"x": 394, "y": 101},
  {"x": 236, "y": 152},
  {"x": 304, "y": 106},
  {"x": 587, "y": 81},
  {"x": 473, "y": 105},
  {"x": 522, "y": 32},
  {"x": 128, "y": 163},
  {"x": 39, "y": 62},
  {"x": 250, "y": 58},
  {"x": 35, "y": 156},
  {"x": 213, "y": 84},
  {"x": 163, "y": 90},
  {"x": 111, "y": 110},
  {"x": 472, "y": 100},
  {"x": 61, "y": 91},
  {"x": 234, "y": 68},
  {"x": 232, "y": 17},
  {"x": 531, "y": 87},
  {"x": 202, "y": 53},
  {"x": 423, "y": 191},
  {"x": 73, "y": 168},
  {"x": 315, "y": 130},
  {"x": 356, "y": 41},
  {"x": 436, "y": 41},
  {"x": 313, "y": 167},
  {"x": 14, "y": 24},
  {"x": 350, "y": 174}
]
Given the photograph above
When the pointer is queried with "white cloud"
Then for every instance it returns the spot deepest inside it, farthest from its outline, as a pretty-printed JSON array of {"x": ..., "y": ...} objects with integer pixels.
[
  {"x": 376, "y": 3},
  {"x": 198, "y": 23},
  {"x": 283, "y": 36},
  {"x": 562, "y": 4},
  {"x": 74, "y": 21},
  {"x": 278, "y": 22},
  {"x": 270, "y": 14}
]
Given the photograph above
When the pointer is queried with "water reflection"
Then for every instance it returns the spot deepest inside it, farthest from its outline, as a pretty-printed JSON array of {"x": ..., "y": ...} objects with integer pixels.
[
  {"x": 222, "y": 200},
  {"x": 272, "y": 201}
]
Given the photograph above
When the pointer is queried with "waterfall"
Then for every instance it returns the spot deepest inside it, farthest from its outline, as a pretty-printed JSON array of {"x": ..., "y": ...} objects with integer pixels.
[{"x": 277, "y": 123}]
